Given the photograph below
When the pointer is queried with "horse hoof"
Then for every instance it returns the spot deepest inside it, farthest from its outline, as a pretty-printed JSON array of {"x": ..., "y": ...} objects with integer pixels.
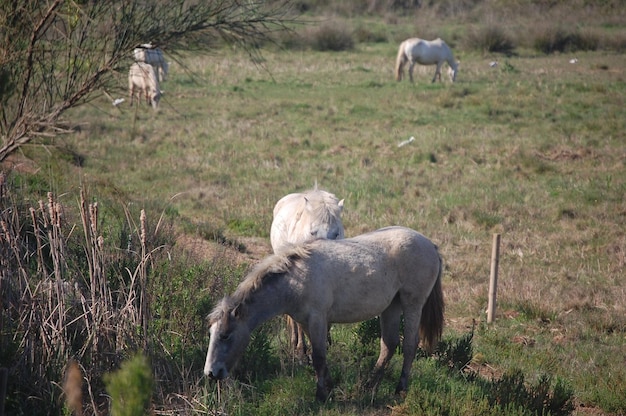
[
  {"x": 401, "y": 390},
  {"x": 321, "y": 395}
]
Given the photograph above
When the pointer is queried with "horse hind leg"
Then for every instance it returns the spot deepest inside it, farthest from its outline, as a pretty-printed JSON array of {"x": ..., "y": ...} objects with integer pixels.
[
  {"x": 389, "y": 340},
  {"x": 411, "y": 67},
  {"x": 409, "y": 347},
  {"x": 298, "y": 341}
]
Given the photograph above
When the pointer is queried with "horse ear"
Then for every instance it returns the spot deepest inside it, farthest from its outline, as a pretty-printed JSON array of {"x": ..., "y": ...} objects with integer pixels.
[
  {"x": 239, "y": 311},
  {"x": 340, "y": 204},
  {"x": 307, "y": 203}
]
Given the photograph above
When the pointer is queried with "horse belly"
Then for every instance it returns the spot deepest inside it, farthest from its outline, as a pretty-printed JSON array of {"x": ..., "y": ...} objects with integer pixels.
[{"x": 364, "y": 302}]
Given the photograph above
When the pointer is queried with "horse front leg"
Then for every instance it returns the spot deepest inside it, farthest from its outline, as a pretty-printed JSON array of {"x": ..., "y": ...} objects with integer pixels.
[
  {"x": 437, "y": 73},
  {"x": 317, "y": 330}
]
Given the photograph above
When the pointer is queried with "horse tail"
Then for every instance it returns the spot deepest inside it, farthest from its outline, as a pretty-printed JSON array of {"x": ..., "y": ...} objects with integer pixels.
[
  {"x": 400, "y": 61},
  {"x": 431, "y": 323}
]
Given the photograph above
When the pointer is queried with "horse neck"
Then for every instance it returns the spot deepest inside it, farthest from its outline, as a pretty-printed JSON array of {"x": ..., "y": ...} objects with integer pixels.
[
  {"x": 267, "y": 302},
  {"x": 452, "y": 62}
]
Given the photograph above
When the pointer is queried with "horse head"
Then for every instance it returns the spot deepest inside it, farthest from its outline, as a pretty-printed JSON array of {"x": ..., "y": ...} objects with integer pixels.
[
  {"x": 154, "y": 98},
  {"x": 229, "y": 336},
  {"x": 324, "y": 219},
  {"x": 452, "y": 70}
]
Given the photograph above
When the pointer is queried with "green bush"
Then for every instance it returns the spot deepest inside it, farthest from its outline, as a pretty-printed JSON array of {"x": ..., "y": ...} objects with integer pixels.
[
  {"x": 456, "y": 354},
  {"x": 259, "y": 360},
  {"x": 541, "y": 398},
  {"x": 130, "y": 387}
]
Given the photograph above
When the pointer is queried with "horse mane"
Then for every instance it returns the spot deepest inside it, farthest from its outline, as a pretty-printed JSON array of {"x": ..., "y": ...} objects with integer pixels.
[
  {"x": 273, "y": 265},
  {"x": 323, "y": 205}
]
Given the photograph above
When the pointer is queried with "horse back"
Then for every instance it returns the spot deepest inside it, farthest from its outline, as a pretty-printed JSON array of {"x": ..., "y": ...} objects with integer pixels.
[
  {"x": 427, "y": 52},
  {"x": 370, "y": 269},
  {"x": 143, "y": 76}
]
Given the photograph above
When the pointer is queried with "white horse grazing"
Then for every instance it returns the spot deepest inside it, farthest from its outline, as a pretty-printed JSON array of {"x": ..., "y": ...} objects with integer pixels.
[
  {"x": 142, "y": 80},
  {"x": 300, "y": 218},
  {"x": 390, "y": 273},
  {"x": 153, "y": 56},
  {"x": 424, "y": 52}
]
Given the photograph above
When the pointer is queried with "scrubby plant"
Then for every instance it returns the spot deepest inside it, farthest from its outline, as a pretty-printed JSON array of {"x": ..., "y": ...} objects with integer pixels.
[
  {"x": 559, "y": 39},
  {"x": 490, "y": 38},
  {"x": 366, "y": 33},
  {"x": 130, "y": 387},
  {"x": 456, "y": 354},
  {"x": 541, "y": 398},
  {"x": 331, "y": 36},
  {"x": 259, "y": 360}
]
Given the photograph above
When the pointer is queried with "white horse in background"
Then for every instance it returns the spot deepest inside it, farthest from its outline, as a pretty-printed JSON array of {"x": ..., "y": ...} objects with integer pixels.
[
  {"x": 153, "y": 56},
  {"x": 300, "y": 218},
  {"x": 424, "y": 52},
  {"x": 142, "y": 80},
  {"x": 391, "y": 273},
  {"x": 303, "y": 217}
]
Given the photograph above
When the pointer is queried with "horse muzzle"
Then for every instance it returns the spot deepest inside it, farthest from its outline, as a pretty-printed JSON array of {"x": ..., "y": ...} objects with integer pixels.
[{"x": 216, "y": 372}]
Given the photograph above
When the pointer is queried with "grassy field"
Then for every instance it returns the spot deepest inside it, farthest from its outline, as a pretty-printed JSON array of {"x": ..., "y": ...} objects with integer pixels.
[{"x": 533, "y": 149}]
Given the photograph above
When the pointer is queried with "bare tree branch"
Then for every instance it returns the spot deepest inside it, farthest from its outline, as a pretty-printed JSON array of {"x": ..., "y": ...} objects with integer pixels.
[{"x": 58, "y": 55}]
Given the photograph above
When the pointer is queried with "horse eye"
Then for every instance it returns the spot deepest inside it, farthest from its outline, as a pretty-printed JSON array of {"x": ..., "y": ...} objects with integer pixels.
[{"x": 225, "y": 336}]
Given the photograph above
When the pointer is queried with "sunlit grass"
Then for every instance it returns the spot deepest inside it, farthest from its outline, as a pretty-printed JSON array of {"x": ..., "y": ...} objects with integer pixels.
[{"x": 533, "y": 149}]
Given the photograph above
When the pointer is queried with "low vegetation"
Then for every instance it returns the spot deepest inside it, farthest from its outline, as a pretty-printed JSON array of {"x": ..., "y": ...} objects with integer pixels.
[{"x": 120, "y": 237}]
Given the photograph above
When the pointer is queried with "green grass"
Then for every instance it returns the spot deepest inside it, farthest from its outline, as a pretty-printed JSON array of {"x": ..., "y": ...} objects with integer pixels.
[{"x": 533, "y": 149}]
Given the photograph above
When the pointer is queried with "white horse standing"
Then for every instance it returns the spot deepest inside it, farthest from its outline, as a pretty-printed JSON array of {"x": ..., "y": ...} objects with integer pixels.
[
  {"x": 300, "y": 218},
  {"x": 153, "y": 56},
  {"x": 390, "y": 273},
  {"x": 142, "y": 80},
  {"x": 424, "y": 52}
]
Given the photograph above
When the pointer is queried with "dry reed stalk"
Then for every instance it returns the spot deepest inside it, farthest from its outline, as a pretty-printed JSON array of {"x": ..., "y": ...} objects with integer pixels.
[
  {"x": 99, "y": 312},
  {"x": 3, "y": 178},
  {"x": 54, "y": 234},
  {"x": 143, "y": 279},
  {"x": 46, "y": 305},
  {"x": 40, "y": 262}
]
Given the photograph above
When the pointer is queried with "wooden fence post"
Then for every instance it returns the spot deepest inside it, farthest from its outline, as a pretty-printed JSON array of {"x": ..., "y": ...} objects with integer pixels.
[{"x": 493, "y": 279}]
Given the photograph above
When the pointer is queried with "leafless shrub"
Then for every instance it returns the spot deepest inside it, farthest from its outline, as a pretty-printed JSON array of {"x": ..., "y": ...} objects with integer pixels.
[{"x": 58, "y": 55}]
